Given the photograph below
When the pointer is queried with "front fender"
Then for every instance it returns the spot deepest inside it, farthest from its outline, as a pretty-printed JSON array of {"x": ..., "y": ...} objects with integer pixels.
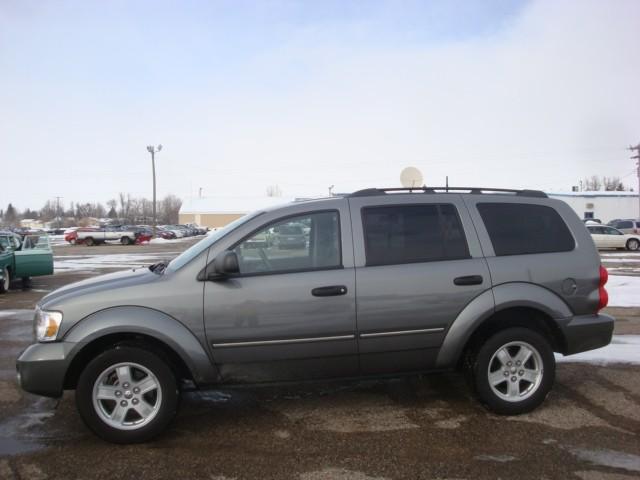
[
  {"x": 500, "y": 297},
  {"x": 150, "y": 322}
]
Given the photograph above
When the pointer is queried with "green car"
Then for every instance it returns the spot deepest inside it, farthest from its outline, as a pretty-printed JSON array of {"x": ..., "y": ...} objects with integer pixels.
[{"x": 23, "y": 258}]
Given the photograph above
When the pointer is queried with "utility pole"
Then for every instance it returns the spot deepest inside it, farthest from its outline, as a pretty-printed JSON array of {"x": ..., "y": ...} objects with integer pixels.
[
  {"x": 636, "y": 157},
  {"x": 153, "y": 150},
  {"x": 58, "y": 210}
]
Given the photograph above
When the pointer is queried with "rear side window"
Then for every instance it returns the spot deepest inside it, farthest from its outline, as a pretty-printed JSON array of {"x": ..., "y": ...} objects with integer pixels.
[
  {"x": 520, "y": 228},
  {"x": 624, "y": 225},
  {"x": 413, "y": 233}
]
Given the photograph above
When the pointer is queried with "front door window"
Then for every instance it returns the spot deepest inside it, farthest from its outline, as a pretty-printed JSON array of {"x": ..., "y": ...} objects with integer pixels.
[{"x": 302, "y": 243}]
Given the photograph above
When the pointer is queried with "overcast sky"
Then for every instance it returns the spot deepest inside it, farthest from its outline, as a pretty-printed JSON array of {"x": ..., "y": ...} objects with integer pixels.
[{"x": 309, "y": 94}]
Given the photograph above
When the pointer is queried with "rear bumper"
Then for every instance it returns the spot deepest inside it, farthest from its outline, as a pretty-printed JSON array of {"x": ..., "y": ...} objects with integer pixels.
[
  {"x": 42, "y": 367},
  {"x": 587, "y": 332}
]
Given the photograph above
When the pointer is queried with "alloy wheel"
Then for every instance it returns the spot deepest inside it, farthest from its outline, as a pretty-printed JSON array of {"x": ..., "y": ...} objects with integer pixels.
[
  {"x": 515, "y": 371},
  {"x": 127, "y": 396}
]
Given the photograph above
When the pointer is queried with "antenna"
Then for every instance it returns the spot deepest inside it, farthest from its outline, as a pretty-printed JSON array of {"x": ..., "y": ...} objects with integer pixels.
[{"x": 411, "y": 177}]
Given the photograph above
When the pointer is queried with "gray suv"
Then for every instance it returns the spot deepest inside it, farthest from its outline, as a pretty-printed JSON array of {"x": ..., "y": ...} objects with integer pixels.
[{"x": 388, "y": 282}]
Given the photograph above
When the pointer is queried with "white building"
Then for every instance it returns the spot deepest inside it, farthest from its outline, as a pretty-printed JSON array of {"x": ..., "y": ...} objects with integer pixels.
[{"x": 604, "y": 206}]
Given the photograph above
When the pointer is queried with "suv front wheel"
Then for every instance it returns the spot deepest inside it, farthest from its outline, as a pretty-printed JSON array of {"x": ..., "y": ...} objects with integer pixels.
[
  {"x": 127, "y": 395},
  {"x": 513, "y": 371}
]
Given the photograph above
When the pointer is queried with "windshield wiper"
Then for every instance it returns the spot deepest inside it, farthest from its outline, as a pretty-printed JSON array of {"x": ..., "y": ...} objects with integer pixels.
[{"x": 158, "y": 268}]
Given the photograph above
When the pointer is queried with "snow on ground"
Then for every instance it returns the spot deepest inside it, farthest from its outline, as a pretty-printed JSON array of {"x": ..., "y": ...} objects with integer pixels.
[
  {"x": 624, "y": 291},
  {"x": 69, "y": 263},
  {"x": 621, "y": 260},
  {"x": 622, "y": 349},
  {"x": 57, "y": 240},
  {"x": 174, "y": 240}
]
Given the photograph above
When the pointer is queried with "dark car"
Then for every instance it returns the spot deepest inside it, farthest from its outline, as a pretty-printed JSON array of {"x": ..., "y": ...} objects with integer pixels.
[{"x": 289, "y": 236}]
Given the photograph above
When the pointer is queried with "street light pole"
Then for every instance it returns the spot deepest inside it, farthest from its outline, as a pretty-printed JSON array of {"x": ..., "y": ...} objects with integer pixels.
[{"x": 153, "y": 150}]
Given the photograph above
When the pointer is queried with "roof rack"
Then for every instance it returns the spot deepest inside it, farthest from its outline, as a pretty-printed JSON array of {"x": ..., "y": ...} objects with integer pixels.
[{"x": 367, "y": 192}]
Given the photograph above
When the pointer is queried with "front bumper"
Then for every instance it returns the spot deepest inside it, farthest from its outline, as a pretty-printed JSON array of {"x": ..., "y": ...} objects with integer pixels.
[
  {"x": 42, "y": 367},
  {"x": 587, "y": 332}
]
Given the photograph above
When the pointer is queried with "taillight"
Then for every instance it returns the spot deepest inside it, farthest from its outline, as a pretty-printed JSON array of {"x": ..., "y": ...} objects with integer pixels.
[{"x": 602, "y": 292}]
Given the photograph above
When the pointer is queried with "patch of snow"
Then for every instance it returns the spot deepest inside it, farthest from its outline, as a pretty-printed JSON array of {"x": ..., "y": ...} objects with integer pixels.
[
  {"x": 496, "y": 458},
  {"x": 608, "y": 458},
  {"x": 622, "y": 349},
  {"x": 164, "y": 240},
  {"x": 624, "y": 291},
  {"x": 98, "y": 262}
]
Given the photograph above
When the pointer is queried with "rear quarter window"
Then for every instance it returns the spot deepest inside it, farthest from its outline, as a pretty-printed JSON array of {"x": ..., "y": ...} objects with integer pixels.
[
  {"x": 520, "y": 229},
  {"x": 396, "y": 234}
]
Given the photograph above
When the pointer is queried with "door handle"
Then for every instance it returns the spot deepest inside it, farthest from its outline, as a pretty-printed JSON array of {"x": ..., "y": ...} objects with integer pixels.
[
  {"x": 468, "y": 280},
  {"x": 331, "y": 291}
]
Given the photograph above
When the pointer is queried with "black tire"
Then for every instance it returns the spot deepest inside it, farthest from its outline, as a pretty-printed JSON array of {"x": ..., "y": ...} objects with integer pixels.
[
  {"x": 125, "y": 241},
  {"x": 480, "y": 362},
  {"x": 89, "y": 242},
  {"x": 633, "y": 244},
  {"x": 168, "y": 404},
  {"x": 5, "y": 282},
  {"x": 26, "y": 282}
]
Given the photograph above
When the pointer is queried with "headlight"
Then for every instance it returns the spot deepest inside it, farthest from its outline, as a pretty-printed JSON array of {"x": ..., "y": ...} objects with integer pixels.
[{"x": 47, "y": 325}]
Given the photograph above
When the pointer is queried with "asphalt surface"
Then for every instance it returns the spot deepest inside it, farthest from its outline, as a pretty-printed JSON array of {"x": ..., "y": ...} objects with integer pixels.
[{"x": 427, "y": 427}]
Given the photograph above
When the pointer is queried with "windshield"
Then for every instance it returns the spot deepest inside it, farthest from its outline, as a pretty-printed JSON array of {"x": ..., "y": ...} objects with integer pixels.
[{"x": 195, "y": 250}]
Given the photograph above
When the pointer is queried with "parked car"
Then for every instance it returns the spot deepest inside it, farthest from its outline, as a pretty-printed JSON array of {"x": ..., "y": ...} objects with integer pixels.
[
  {"x": 592, "y": 220},
  {"x": 23, "y": 258},
  {"x": 164, "y": 233},
  {"x": 608, "y": 237},
  {"x": 289, "y": 236},
  {"x": 177, "y": 231},
  {"x": 95, "y": 236},
  {"x": 141, "y": 234},
  {"x": 493, "y": 283},
  {"x": 626, "y": 226}
]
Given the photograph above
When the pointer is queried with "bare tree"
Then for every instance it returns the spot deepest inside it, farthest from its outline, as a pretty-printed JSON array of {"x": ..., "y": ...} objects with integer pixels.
[
  {"x": 609, "y": 184},
  {"x": 169, "y": 209},
  {"x": 612, "y": 184},
  {"x": 125, "y": 205},
  {"x": 48, "y": 211},
  {"x": 11, "y": 216},
  {"x": 274, "y": 191}
]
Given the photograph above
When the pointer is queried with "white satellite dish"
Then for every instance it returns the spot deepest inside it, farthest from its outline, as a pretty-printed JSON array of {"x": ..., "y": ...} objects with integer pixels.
[{"x": 411, "y": 177}]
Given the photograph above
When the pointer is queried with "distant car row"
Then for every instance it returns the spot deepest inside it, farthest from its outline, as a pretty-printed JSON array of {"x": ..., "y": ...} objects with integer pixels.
[
  {"x": 282, "y": 237},
  {"x": 129, "y": 234}
]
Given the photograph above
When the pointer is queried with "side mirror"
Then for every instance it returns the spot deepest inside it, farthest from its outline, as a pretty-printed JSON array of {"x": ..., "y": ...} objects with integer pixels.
[{"x": 226, "y": 263}]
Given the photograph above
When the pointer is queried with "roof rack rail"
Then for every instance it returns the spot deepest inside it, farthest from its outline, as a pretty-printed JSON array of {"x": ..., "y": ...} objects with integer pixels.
[{"x": 367, "y": 192}]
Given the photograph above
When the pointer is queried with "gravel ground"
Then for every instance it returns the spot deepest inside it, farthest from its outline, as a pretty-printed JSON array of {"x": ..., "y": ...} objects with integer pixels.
[{"x": 427, "y": 427}]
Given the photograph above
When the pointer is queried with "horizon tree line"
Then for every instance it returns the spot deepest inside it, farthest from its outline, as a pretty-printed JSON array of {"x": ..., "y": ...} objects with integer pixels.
[{"x": 124, "y": 208}]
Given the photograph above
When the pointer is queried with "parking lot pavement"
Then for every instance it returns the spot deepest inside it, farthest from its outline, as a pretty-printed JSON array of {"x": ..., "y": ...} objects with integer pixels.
[{"x": 427, "y": 427}]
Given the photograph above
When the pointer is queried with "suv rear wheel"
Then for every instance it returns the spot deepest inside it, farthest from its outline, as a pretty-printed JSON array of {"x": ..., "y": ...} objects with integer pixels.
[
  {"x": 513, "y": 371},
  {"x": 127, "y": 395}
]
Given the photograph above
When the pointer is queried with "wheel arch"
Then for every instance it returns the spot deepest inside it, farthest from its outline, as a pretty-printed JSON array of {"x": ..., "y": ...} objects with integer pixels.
[
  {"x": 142, "y": 326},
  {"x": 89, "y": 351},
  {"x": 513, "y": 304}
]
